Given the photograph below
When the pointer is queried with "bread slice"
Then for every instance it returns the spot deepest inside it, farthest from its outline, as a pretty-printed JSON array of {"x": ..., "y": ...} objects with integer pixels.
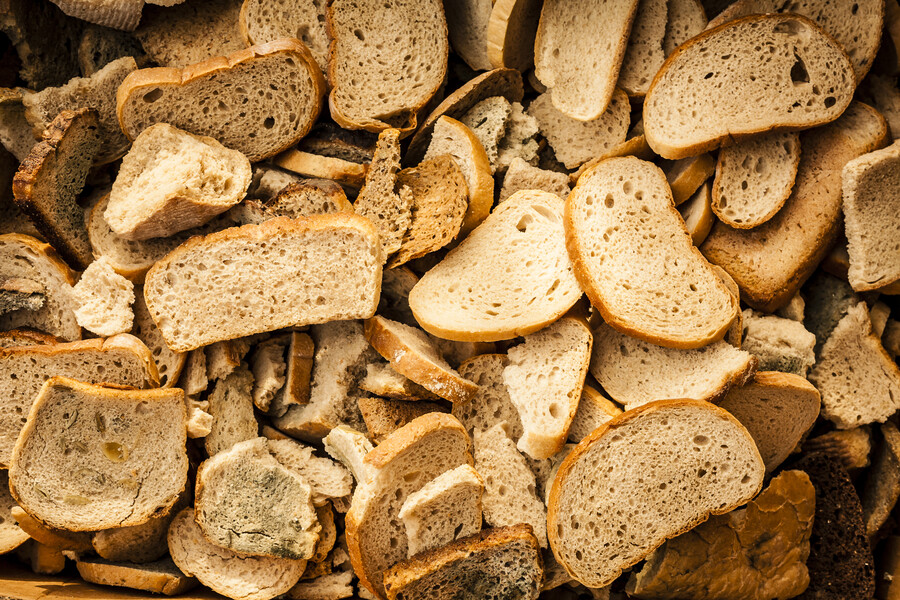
[
  {"x": 160, "y": 577},
  {"x": 124, "y": 477},
  {"x": 644, "y": 54},
  {"x": 498, "y": 563},
  {"x": 300, "y": 198},
  {"x": 228, "y": 573},
  {"x": 100, "y": 46},
  {"x": 327, "y": 479},
  {"x": 594, "y": 410},
  {"x": 685, "y": 176},
  {"x": 683, "y": 118},
  {"x": 281, "y": 252},
  {"x": 51, "y": 176},
  {"x": 350, "y": 448},
  {"x": 698, "y": 216},
  {"x": 349, "y": 174},
  {"x": 778, "y": 344},
  {"x": 522, "y": 176},
  {"x": 222, "y": 358},
  {"x": 488, "y": 121},
  {"x": 523, "y": 239},
  {"x": 828, "y": 301},
  {"x": 269, "y": 20},
  {"x": 491, "y": 404},
  {"x": 879, "y": 496},
  {"x": 390, "y": 211},
  {"x": 333, "y": 586},
  {"x": 123, "y": 14},
  {"x": 169, "y": 364},
  {"x": 231, "y": 407},
  {"x": 41, "y": 559},
  {"x": 686, "y": 19},
  {"x": 882, "y": 93},
  {"x": 754, "y": 179},
  {"x": 56, "y": 539},
  {"x": 139, "y": 544},
  {"x": 20, "y": 294},
  {"x": 193, "y": 379},
  {"x": 629, "y": 276},
  {"x": 382, "y": 380},
  {"x": 581, "y": 71},
  {"x": 851, "y": 447},
  {"x": 16, "y": 133},
  {"x": 103, "y": 299},
  {"x": 382, "y": 92},
  {"x": 383, "y": 417},
  {"x": 467, "y": 25},
  {"x": 11, "y": 535},
  {"x": 26, "y": 337},
  {"x": 695, "y": 460},
  {"x": 511, "y": 33},
  {"x": 279, "y": 117},
  {"x": 268, "y": 367}
]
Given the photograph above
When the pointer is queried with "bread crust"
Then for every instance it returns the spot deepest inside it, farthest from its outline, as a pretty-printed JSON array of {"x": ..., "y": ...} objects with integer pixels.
[
  {"x": 499, "y": 31},
  {"x": 346, "y": 173},
  {"x": 134, "y": 577},
  {"x": 44, "y": 250}
]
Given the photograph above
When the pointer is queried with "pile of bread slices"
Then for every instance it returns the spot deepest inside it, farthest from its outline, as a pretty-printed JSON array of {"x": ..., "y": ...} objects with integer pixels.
[{"x": 489, "y": 299}]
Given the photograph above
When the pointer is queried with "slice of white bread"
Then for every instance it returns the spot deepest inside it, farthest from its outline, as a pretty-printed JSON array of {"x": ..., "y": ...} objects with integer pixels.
[
  {"x": 125, "y": 474},
  {"x": 610, "y": 508},
  {"x": 139, "y": 543},
  {"x": 467, "y": 27},
  {"x": 383, "y": 417},
  {"x": 491, "y": 404},
  {"x": 754, "y": 179},
  {"x": 260, "y": 120},
  {"x": 382, "y": 380},
  {"x": 160, "y": 577},
  {"x": 699, "y": 99},
  {"x": 699, "y": 218},
  {"x": 305, "y": 257},
  {"x": 268, "y": 367},
  {"x": 488, "y": 120},
  {"x": 594, "y": 410},
  {"x": 168, "y": 364},
  {"x": 349, "y": 174},
  {"x": 463, "y": 298},
  {"x": 336, "y": 585},
  {"x": 327, "y": 479},
  {"x": 778, "y": 344},
  {"x": 57, "y": 539},
  {"x": 544, "y": 378},
  {"x": 233, "y": 575},
  {"x": 644, "y": 54},
  {"x": 686, "y": 19},
  {"x": 522, "y": 176},
  {"x": 377, "y": 81},
  {"x": 349, "y": 447},
  {"x": 686, "y": 175},
  {"x": 231, "y": 406},
  {"x": 11, "y": 535},
  {"x": 511, "y": 32},
  {"x": 122, "y": 14},
  {"x": 656, "y": 287},
  {"x": 269, "y": 20},
  {"x": 580, "y": 71},
  {"x": 103, "y": 300}
]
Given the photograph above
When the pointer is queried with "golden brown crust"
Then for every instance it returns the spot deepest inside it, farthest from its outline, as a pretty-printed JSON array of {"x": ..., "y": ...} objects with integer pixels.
[
  {"x": 43, "y": 249},
  {"x": 137, "y": 579},
  {"x": 687, "y": 182},
  {"x": 346, "y": 173},
  {"x": 499, "y": 32},
  {"x": 58, "y": 539},
  {"x": 636, "y": 146},
  {"x": 32, "y": 336},
  {"x": 482, "y": 197}
]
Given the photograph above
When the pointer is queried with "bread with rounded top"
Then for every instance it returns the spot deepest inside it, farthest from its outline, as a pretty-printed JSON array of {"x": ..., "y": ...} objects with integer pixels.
[
  {"x": 687, "y": 18},
  {"x": 158, "y": 577},
  {"x": 269, "y": 20},
  {"x": 511, "y": 33},
  {"x": 644, "y": 54}
]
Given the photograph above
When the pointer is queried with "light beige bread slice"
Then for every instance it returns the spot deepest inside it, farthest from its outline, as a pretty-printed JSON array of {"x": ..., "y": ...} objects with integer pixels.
[
  {"x": 467, "y": 28},
  {"x": 686, "y": 19},
  {"x": 685, "y": 176},
  {"x": 657, "y": 288},
  {"x": 778, "y": 344},
  {"x": 389, "y": 210},
  {"x": 644, "y": 54},
  {"x": 122, "y": 14},
  {"x": 347, "y": 173},
  {"x": 383, "y": 417},
  {"x": 806, "y": 66},
  {"x": 522, "y": 176},
  {"x": 103, "y": 300},
  {"x": 231, "y": 407},
  {"x": 350, "y": 447},
  {"x": 336, "y": 585},
  {"x": 581, "y": 71},
  {"x": 269, "y": 20},
  {"x": 382, "y": 92},
  {"x": 128, "y": 470},
  {"x": 609, "y": 509},
  {"x": 160, "y": 577},
  {"x": 511, "y": 33},
  {"x": 488, "y": 120},
  {"x": 594, "y": 410},
  {"x": 193, "y": 378},
  {"x": 698, "y": 215},
  {"x": 754, "y": 179},
  {"x": 11, "y": 535},
  {"x": 169, "y": 364},
  {"x": 382, "y": 380},
  {"x": 139, "y": 544},
  {"x": 491, "y": 404},
  {"x": 522, "y": 239},
  {"x": 327, "y": 479},
  {"x": 279, "y": 117},
  {"x": 504, "y": 562}
]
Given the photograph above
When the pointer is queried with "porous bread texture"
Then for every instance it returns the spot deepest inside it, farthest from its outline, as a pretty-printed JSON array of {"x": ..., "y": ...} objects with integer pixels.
[
  {"x": 297, "y": 198},
  {"x": 544, "y": 378},
  {"x": 385, "y": 416},
  {"x": 686, "y": 19},
  {"x": 273, "y": 97},
  {"x": 522, "y": 176},
  {"x": 799, "y": 78},
  {"x": 16, "y": 133},
  {"x": 349, "y": 447},
  {"x": 268, "y": 367},
  {"x": 594, "y": 410},
  {"x": 491, "y": 404},
  {"x": 487, "y": 120},
  {"x": 391, "y": 84},
  {"x": 695, "y": 460},
  {"x": 516, "y": 267},
  {"x": 172, "y": 180},
  {"x": 656, "y": 287},
  {"x": 644, "y": 54},
  {"x": 511, "y": 33},
  {"x": 581, "y": 71},
  {"x": 231, "y": 407},
  {"x": 327, "y": 479},
  {"x": 872, "y": 218},
  {"x": 11, "y": 536},
  {"x": 269, "y": 20},
  {"x": 467, "y": 25},
  {"x": 159, "y": 577},
  {"x": 124, "y": 475},
  {"x": 519, "y": 140},
  {"x": 382, "y": 380},
  {"x": 326, "y": 267},
  {"x": 389, "y": 210},
  {"x": 100, "y": 46},
  {"x": 168, "y": 364},
  {"x": 231, "y": 574},
  {"x": 575, "y": 142},
  {"x": 754, "y": 179},
  {"x": 121, "y": 14},
  {"x": 121, "y": 359},
  {"x": 778, "y": 344},
  {"x": 103, "y": 300}
]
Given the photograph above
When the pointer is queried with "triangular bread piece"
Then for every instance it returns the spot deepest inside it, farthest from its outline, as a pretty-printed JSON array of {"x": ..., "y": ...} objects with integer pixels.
[
  {"x": 594, "y": 410},
  {"x": 389, "y": 210}
]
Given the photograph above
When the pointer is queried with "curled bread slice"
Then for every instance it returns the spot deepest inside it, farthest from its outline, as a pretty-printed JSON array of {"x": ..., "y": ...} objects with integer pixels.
[
  {"x": 511, "y": 32},
  {"x": 273, "y": 97},
  {"x": 160, "y": 577},
  {"x": 610, "y": 508}
]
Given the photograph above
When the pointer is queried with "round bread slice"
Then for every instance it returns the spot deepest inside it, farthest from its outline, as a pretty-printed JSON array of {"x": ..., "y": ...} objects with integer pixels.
[{"x": 646, "y": 476}]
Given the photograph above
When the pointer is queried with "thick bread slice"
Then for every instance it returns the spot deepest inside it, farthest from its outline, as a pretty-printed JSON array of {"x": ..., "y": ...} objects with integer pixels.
[
  {"x": 594, "y": 410},
  {"x": 125, "y": 473},
  {"x": 467, "y": 25},
  {"x": 387, "y": 60},
  {"x": 327, "y": 479},
  {"x": 384, "y": 417},
  {"x": 685, "y": 176},
  {"x": 231, "y": 406},
  {"x": 644, "y": 54},
  {"x": 522, "y": 176},
  {"x": 497, "y": 563},
  {"x": 778, "y": 344},
  {"x": 511, "y": 33},
  {"x": 327, "y": 266},
  {"x": 349, "y": 447},
  {"x": 581, "y": 71},
  {"x": 382, "y": 380},
  {"x": 269, "y": 20},
  {"x": 389, "y": 210},
  {"x": 655, "y": 287},
  {"x": 103, "y": 300},
  {"x": 279, "y": 112},
  {"x": 233, "y": 575},
  {"x": 699, "y": 219},
  {"x": 695, "y": 460},
  {"x": 122, "y": 14},
  {"x": 754, "y": 179},
  {"x": 57, "y": 539},
  {"x": 169, "y": 364},
  {"x": 347, "y": 173},
  {"x": 509, "y": 277},
  {"x": 26, "y": 337},
  {"x": 491, "y": 404},
  {"x": 11, "y": 536},
  {"x": 699, "y": 100},
  {"x": 139, "y": 543},
  {"x": 20, "y": 294},
  {"x": 686, "y": 19},
  {"x": 160, "y": 577}
]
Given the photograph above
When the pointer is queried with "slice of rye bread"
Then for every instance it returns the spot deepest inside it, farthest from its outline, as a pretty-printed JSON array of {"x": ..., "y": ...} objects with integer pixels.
[
  {"x": 581, "y": 71},
  {"x": 699, "y": 218},
  {"x": 382, "y": 380},
  {"x": 467, "y": 27},
  {"x": 50, "y": 178},
  {"x": 122, "y": 14},
  {"x": 159, "y": 577},
  {"x": 696, "y": 460},
  {"x": 168, "y": 363},
  {"x": 228, "y": 573},
  {"x": 269, "y": 20},
  {"x": 11, "y": 535},
  {"x": 522, "y": 176},
  {"x": 644, "y": 54},
  {"x": 798, "y": 237},
  {"x": 685, "y": 176},
  {"x": 594, "y": 410},
  {"x": 686, "y": 19},
  {"x": 779, "y": 344},
  {"x": 413, "y": 354},
  {"x": 26, "y": 337},
  {"x": 231, "y": 407},
  {"x": 125, "y": 475},
  {"x": 389, "y": 210},
  {"x": 383, "y": 417},
  {"x": 284, "y": 111},
  {"x": 391, "y": 85},
  {"x": 511, "y": 33},
  {"x": 806, "y": 66},
  {"x": 139, "y": 543},
  {"x": 20, "y": 294},
  {"x": 338, "y": 251},
  {"x": 350, "y": 447},
  {"x": 659, "y": 288},
  {"x": 401, "y": 465},
  {"x": 327, "y": 479},
  {"x": 524, "y": 239},
  {"x": 491, "y": 404},
  {"x": 103, "y": 299}
]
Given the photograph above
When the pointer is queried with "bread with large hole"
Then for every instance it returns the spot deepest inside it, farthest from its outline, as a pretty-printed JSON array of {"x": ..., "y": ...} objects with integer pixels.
[{"x": 269, "y": 20}]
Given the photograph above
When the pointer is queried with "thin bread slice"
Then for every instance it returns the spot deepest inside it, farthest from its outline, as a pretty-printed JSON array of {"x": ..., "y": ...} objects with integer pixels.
[
  {"x": 491, "y": 404},
  {"x": 11, "y": 535},
  {"x": 686, "y": 19},
  {"x": 657, "y": 288},
  {"x": 879, "y": 496},
  {"x": 698, "y": 216},
  {"x": 269, "y": 20},
  {"x": 851, "y": 447},
  {"x": 349, "y": 174},
  {"x": 594, "y": 410},
  {"x": 327, "y": 479},
  {"x": 231, "y": 406},
  {"x": 193, "y": 378},
  {"x": 696, "y": 460},
  {"x": 384, "y": 417},
  {"x": 169, "y": 364},
  {"x": 467, "y": 28},
  {"x": 26, "y": 337},
  {"x": 644, "y": 54},
  {"x": 268, "y": 367},
  {"x": 350, "y": 447},
  {"x": 160, "y": 577},
  {"x": 685, "y": 176},
  {"x": 57, "y": 539},
  {"x": 300, "y": 198},
  {"x": 382, "y": 380},
  {"x": 20, "y": 294},
  {"x": 139, "y": 544},
  {"x": 122, "y": 14},
  {"x": 336, "y": 585},
  {"x": 103, "y": 300},
  {"x": 522, "y": 176},
  {"x": 511, "y": 33}
]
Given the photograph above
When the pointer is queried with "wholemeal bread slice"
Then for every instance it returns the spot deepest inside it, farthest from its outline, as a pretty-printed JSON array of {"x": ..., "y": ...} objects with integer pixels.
[
  {"x": 231, "y": 407},
  {"x": 349, "y": 174},
  {"x": 698, "y": 217},
  {"x": 491, "y": 404},
  {"x": 511, "y": 33},
  {"x": 523, "y": 241},
  {"x": 160, "y": 577},
  {"x": 20, "y": 294},
  {"x": 384, "y": 417},
  {"x": 169, "y": 364},
  {"x": 467, "y": 28},
  {"x": 685, "y": 176},
  {"x": 657, "y": 288},
  {"x": 389, "y": 210},
  {"x": 806, "y": 66},
  {"x": 124, "y": 475},
  {"x": 300, "y": 198},
  {"x": 695, "y": 460},
  {"x": 594, "y": 410},
  {"x": 103, "y": 300},
  {"x": 581, "y": 71},
  {"x": 327, "y": 479},
  {"x": 259, "y": 120},
  {"x": 686, "y": 19},
  {"x": 11, "y": 535},
  {"x": 382, "y": 380},
  {"x": 269, "y": 20},
  {"x": 778, "y": 344},
  {"x": 644, "y": 54},
  {"x": 754, "y": 179},
  {"x": 522, "y": 176},
  {"x": 122, "y": 14},
  {"x": 391, "y": 84}
]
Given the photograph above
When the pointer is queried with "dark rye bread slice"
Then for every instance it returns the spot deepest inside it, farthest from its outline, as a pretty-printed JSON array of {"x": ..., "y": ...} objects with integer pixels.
[{"x": 260, "y": 100}]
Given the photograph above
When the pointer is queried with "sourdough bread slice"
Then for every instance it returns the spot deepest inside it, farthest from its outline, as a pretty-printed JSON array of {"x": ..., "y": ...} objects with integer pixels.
[
  {"x": 231, "y": 407},
  {"x": 389, "y": 210},
  {"x": 491, "y": 404},
  {"x": 103, "y": 300},
  {"x": 467, "y": 25},
  {"x": 122, "y": 14},
  {"x": 644, "y": 54},
  {"x": 169, "y": 364},
  {"x": 594, "y": 410},
  {"x": 384, "y": 417},
  {"x": 11, "y": 535},
  {"x": 522, "y": 176},
  {"x": 327, "y": 479},
  {"x": 269, "y": 20},
  {"x": 686, "y": 175},
  {"x": 686, "y": 19},
  {"x": 160, "y": 577},
  {"x": 382, "y": 380},
  {"x": 699, "y": 218}
]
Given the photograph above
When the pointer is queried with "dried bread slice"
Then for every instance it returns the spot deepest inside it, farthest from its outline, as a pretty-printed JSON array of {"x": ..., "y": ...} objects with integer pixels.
[
  {"x": 686, "y": 19},
  {"x": 522, "y": 176},
  {"x": 26, "y": 337},
  {"x": 16, "y": 133},
  {"x": 100, "y": 46},
  {"x": 284, "y": 111},
  {"x": 511, "y": 33},
  {"x": 467, "y": 28},
  {"x": 269, "y": 20},
  {"x": 779, "y": 344},
  {"x": 268, "y": 367},
  {"x": 347, "y": 173},
  {"x": 382, "y": 380},
  {"x": 56, "y": 539},
  {"x": 491, "y": 404},
  {"x": 806, "y": 66},
  {"x": 699, "y": 220},
  {"x": 231, "y": 406},
  {"x": 390, "y": 211},
  {"x": 523, "y": 239},
  {"x": 11, "y": 535},
  {"x": 327, "y": 479},
  {"x": 349, "y": 447},
  {"x": 160, "y": 577},
  {"x": 124, "y": 474},
  {"x": 103, "y": 300},
  {"x": 122, "y": 14},
  {"x": 17, "y": 293},
  {"x": 686, "y": 175},
  {"x": 384, "y": 417},
  {"x": 594, "y": 410},
  {"x": 657, "y": 288},
  {"x": 644, "y": 54},
  {"x": 169, "y": 364},
  {"x": 695, "y": 460},
  {"x": 300, "y": 198},
  {"x": 139, "y": 544}
]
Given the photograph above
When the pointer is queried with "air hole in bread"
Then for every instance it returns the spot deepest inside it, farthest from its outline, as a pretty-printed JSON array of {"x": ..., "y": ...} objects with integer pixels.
[
  {"x": 799, "y": 74},
  {"x": 830, "y": 101},
  {"x": 153, "y": 95},
  {"x": 524, "y": 222}
]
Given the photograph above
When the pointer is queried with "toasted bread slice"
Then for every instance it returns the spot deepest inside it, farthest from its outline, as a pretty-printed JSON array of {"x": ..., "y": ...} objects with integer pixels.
[
  {"x": 686, "y": 19},
  {"x": 269, "y": 20},
  {"x": 511, "y": 33},
  {"x": 160, "y": 577}
]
